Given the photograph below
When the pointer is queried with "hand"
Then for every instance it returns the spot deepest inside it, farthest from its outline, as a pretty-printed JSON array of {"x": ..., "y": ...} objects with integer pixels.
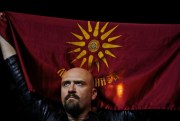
[{"x": 6, "y": 48}]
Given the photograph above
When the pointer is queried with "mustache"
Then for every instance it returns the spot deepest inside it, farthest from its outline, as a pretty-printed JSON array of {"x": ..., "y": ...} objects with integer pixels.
[{"x": 71, "y": 95}]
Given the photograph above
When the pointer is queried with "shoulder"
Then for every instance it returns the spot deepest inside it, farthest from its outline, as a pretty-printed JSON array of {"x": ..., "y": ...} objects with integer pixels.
[
  {"x": 112, "y": 115},
  {"x": 93, "y": 116}
]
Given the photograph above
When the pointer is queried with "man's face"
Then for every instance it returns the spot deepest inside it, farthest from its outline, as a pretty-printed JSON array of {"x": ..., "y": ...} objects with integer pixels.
[{"x": 77, "y": 91}]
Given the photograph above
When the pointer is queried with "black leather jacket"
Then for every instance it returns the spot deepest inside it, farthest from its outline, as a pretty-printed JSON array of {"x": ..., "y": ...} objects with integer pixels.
[{"x": 39, "y": 109}]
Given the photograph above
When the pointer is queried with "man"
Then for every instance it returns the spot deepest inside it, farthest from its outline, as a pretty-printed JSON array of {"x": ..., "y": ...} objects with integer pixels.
[{"x": 77, "y": 93}]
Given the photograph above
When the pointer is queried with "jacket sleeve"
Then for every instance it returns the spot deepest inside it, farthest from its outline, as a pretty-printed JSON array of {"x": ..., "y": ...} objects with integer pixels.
[
  {"x": 114, "y": 115},
  {"x": 38, "y": 108}
]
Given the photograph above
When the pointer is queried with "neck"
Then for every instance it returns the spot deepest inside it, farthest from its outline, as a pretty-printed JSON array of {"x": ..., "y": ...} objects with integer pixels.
[{"x": 81, "y": 117}]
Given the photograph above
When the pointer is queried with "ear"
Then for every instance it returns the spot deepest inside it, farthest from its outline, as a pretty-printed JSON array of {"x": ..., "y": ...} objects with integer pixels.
[{"x": 94, "y": 93}]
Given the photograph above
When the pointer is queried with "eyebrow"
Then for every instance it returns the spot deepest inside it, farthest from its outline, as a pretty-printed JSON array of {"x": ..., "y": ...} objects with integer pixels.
[{"x": 75, "y": 81}]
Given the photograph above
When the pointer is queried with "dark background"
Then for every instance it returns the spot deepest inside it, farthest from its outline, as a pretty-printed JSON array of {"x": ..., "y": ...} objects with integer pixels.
[
  {"x": 113, "y": 11},
  {"x": 106, "y": 10}
]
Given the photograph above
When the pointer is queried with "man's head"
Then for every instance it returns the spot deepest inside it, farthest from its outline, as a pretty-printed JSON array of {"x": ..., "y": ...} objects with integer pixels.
[{"x": 77, "y": 91}]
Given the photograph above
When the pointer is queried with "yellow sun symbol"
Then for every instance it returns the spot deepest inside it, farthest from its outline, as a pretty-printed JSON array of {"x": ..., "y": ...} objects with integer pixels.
[{"x": 94, "y": 45}]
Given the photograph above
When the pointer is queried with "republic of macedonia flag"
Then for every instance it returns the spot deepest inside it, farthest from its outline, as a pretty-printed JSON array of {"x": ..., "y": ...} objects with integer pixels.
[{"x": 135, "y": 66}]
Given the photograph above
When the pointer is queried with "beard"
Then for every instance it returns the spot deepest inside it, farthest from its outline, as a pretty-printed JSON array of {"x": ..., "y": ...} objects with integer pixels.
[{"x": 72, "y": 106}]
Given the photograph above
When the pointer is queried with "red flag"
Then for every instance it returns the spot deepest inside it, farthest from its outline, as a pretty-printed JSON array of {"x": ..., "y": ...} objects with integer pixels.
[{"x": 136, "y": 66}]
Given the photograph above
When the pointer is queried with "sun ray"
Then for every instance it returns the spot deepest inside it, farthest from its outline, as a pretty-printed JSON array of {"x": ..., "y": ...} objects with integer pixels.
[
  {"x": 90, "y": 60},
  {"x": 86, "y": 35},
  {"x": 97, "y": 64},
  {"x": 107, "y": 45},
  {"x": 105, "y": 35},
  {"x": 83, "y": 62},
  {"x": 102, "y": 57},
  {"x": 96, "y": 30},
  {"x": 82, "y": 54},
  {"x": 75, "y": 50},
  {"x": 89, "y": 27},
  {"x": 77, "y": 36},
  {"x": 81, "y": 44},
  {"x": 61, "y": 72},
  {"x": 104, "y": 27},
  {"x": 110, "y": 53},
  {"x": 113, "y": 38}
]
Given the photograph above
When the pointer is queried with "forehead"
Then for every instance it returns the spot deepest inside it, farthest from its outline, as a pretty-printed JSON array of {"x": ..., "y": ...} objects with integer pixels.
[{"x": 77, "y": 74}]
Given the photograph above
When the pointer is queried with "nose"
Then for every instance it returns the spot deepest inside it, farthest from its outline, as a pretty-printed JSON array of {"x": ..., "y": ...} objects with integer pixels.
[{"x": 72, "y": 89}]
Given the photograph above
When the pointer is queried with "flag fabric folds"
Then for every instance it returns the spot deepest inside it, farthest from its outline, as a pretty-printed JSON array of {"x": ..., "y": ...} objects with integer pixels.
[{"x": 135, "y": 66}]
